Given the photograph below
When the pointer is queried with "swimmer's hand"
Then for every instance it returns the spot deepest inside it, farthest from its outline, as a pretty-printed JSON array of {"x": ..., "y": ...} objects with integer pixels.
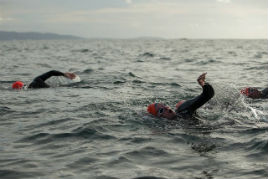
[
  {"x": 69, "y": 75},
  {"x": 201, "y": 79}
]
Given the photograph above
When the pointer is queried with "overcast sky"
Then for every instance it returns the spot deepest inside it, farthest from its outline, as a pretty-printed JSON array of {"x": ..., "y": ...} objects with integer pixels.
[{"x": 138, "y": 18}]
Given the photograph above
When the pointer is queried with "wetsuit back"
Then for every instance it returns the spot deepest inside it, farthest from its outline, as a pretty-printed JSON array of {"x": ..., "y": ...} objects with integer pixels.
[
  {"x": 265, "y": 93},
  {"x": 39, "y": 82},
  {"x": 188, "y": 108}
]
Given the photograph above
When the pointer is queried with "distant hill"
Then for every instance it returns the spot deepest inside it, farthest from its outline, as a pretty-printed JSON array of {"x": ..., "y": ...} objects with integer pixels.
[
  {"x": 149, "y": 38},
  {"x": 5, "y": 35}
]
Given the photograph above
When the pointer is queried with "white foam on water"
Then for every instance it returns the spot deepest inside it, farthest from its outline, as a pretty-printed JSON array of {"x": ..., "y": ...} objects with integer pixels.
[
  {"x": 76, "y": 79},
  {"x": 258, "y": 114},
  {"x": 55, "y": 81}
]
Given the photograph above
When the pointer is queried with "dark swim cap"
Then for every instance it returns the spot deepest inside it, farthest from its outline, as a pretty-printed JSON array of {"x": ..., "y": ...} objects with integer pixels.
[{"x": 17, "y": 85}]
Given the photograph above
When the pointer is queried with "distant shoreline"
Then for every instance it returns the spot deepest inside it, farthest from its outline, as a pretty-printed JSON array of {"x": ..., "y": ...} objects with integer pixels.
[
  {"x": 12, "y": 35},
  {"x": 8, "y": 35}
]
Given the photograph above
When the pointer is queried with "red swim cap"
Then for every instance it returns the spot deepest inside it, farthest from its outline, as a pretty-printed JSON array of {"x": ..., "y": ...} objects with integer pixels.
[
  {"x": 152, "y": 109},
  {"x": 179, "y": 103},
  {"x": 17, "y": 85},
  {"x": 245, "y": 91},
  {"x": 251, "y": 92}
]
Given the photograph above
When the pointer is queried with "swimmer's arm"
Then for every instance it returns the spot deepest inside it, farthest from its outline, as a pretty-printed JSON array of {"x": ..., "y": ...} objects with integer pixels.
[
  {"x": 49, "y": 74},
  {"x": 193, "y": 104},
  {"x": 205, "y": 96}
]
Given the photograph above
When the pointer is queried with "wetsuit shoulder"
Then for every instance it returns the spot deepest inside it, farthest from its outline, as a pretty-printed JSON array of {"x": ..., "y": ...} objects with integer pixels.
[{"x": 38, "y": 83}]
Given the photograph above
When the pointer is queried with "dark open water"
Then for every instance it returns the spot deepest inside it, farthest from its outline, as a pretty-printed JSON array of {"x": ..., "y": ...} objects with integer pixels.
[{"x": 98, "y": 128}]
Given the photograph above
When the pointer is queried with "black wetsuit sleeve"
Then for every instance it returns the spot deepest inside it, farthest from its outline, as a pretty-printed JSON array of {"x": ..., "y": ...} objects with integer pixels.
[
  {"x": 49, "y": 74},
  {"x": 190, "y": 106},
  {"x": 265, "y": 93},
  {"x": 39, "y": 82}
]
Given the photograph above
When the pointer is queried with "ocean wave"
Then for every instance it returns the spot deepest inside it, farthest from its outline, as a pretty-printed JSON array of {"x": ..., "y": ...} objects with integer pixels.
[
  {"x": 138, "y": 81},
  {"x": 7, "y": 82},
  {"x": 5, "y": 110},
  {"x": 188, "y": 60},
  {"x": 131, "y": 74},
  {"x": 203, "y": 147},
  {"x": 148, "y": 177},
  {"x": 257, "y": 145},
  {"x": 52, "y": 123},
  {"x": 105, "y": 177},
  {"x": 85, "y": 50},
  {"x": 205, "y": 62},
  {"x": 172, "y": 84},
  {"x": 165, "y": 58},
  {"x": 146, "y": 151},
  {"x": 19, "y": 174},
  {"x": 147, "y": 54},
  {"x": 87, "y": 71},
  {"x": 119, "y": 82},
  {"x": 82, "y": 133},
  {"x": 260, "y": 54},
  {"x": 44, "y": 65},
  {"x": 259, "y": 67}
]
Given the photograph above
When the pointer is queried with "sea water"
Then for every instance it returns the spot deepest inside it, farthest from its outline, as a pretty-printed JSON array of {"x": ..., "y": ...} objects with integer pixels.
[{"x": 98, "y": 128}]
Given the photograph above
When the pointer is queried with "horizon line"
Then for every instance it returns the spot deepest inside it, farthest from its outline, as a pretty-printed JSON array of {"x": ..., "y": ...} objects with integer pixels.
[{"x": 141, "y": 37}]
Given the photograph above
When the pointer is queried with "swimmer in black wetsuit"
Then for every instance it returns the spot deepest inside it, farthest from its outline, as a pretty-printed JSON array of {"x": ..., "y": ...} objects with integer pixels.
[
  {"x": 184, "y": 108},
  {"x": 255, "y": 93},
  {"x": 39, "y": 82},
  {"x": 264, "y": 93}
]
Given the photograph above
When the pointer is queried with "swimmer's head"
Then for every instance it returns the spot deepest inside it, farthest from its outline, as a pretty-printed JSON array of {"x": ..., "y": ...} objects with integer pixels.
[
  {"x": 18, "y": 85},
  {"x": 160, "y": 110},
  {"x": 179, "y": 104},
  {"x": 251, "y": 92}
]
